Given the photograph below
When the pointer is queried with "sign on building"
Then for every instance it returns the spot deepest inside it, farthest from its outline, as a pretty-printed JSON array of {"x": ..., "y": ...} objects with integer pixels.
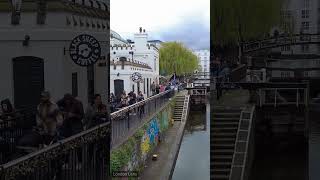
[{"x": 85, "y": 50}]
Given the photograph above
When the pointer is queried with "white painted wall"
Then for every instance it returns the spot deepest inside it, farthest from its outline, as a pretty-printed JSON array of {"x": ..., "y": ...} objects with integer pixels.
[{"x": 48, "y": 42}]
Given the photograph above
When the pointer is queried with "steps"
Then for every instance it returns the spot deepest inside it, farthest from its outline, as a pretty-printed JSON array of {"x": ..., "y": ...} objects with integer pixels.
[
  {"x": 224, "y": 129},
  {"x": 178, "y": 109}
]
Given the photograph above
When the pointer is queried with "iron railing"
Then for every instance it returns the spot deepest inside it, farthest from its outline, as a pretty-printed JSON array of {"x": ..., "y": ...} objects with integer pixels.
[
  {"x": 244, "y": 146},
  {"x": 126, "y": 121},
  {"x": 84, "y": 156},
  {"x": 12, "y": 127}
]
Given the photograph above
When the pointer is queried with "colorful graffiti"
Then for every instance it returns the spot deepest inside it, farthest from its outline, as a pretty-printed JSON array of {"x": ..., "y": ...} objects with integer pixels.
[
  {"x": 145, "y": 144},
  {"x": 153, "y": 131}
]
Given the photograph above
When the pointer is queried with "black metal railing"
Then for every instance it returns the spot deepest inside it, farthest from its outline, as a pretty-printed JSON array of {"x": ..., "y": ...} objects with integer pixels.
[
  {"x": 84, "y": 156},
  {"x": 127, "y": 120},
  {"x": 12, "y": 127}
]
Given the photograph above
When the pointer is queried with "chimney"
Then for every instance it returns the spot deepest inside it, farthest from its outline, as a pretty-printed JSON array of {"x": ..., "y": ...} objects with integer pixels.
[
  {"x": 144, "y": 31},
  {"x": 140, "y": 29}
]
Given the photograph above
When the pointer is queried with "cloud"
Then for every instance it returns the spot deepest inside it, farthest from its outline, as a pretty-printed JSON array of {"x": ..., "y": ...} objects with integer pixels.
[
  {"x": 193, "y": 33},
  {"x": 179, "y": 20}
]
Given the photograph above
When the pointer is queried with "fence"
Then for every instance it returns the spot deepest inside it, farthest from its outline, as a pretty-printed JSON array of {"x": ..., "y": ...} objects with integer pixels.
[
  {"x": 84, "y": 156},
  {"x": 12, "y": 127},
  {"x": 127, "y": 120}
]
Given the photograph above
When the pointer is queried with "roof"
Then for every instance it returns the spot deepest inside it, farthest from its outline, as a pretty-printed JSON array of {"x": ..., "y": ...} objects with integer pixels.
[
  {"x": 117, "y": 36},
  {"x": 130, "y": 63},
  {"x": 92, "y": 8}
]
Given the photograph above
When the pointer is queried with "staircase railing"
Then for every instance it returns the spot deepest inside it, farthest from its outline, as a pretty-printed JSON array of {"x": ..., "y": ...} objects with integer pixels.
[{"x": 244, "y": 145}]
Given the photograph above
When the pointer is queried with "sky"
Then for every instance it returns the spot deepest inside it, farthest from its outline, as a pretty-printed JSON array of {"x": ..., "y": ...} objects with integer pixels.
[{"x": 186, "y": 21}]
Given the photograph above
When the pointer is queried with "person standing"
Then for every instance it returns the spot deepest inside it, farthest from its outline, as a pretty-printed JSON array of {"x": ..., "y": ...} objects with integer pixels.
[
  {"x": 153, "y": 88},
  {"x": 157, "y": 89},
  {"x": 140, "y": 97},
  {"x": 95, "y": 112},
  {"x": 73, "y": 115},
  {"x": 48, "y": 117}
]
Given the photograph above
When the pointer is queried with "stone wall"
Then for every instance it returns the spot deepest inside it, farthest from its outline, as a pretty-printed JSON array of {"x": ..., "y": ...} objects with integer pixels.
[{"x": 132, "y": 155}]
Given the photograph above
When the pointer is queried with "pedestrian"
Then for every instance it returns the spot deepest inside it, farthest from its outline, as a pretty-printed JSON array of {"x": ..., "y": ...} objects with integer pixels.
[
  {"x": 95, "y": 112},
  {"x": 112, "y": 102},
  {"x": 73, "y": 114},
  {"x": 48, "y": 118},
  {"x": 140, "y": 98},
  {"x": 157, "y": 89},
  {"x": 7, "y": 110},
  {"x": 153, "y": 88}
]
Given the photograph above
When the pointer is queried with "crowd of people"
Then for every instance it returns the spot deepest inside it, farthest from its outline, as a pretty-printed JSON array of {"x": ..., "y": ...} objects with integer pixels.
[
  {"x": 55, "y": 121},
  {"x": 124, "y": 99}
]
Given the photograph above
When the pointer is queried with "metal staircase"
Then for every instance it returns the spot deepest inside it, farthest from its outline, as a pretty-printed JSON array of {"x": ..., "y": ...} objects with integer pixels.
[
  {"x": 181, "y": 107},
  {"x": 223, "y": 136}
]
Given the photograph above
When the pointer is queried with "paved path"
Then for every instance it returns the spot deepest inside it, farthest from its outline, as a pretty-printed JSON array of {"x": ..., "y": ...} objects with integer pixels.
[{"x": 167, "y": 153}]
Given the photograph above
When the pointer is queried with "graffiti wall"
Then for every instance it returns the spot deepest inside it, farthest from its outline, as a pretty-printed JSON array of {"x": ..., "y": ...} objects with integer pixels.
[{"x": 144, "y": 140}]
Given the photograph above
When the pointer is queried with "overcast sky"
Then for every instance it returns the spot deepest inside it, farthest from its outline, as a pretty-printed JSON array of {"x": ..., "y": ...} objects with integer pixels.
[{"x": 187, "y": 21}]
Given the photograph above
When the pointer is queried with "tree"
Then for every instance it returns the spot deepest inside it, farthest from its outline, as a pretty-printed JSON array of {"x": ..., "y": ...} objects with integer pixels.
[
  {"x": 175, "y": 57},
  {"x": 235, "y": 21}
]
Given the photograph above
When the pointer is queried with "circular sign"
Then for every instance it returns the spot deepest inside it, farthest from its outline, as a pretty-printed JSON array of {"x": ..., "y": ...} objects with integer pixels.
[
  {"x": 85, "y": 50},
  {"x": 136, "y": 77}
]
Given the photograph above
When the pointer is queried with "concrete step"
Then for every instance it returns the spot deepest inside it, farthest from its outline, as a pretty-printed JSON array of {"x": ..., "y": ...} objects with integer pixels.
[
  {"x": 224, "y": 171},
  {"x": 217, "y": 134},
  {"x": 222, "y": 146},
  {"x": 223, "y": 140},
  {"x": 219, "y": 177},
  {"x": 223, "y": 158},
  {"x": 225, "y": 123},
  {"x": 226, "y": 119},
  {"x": 222, "y": 165},
  {"x": 224, "y": 129},
  {"x": 222, "y": 152}
]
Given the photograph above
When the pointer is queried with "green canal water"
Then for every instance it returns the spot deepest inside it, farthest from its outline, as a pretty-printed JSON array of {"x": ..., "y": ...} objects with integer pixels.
[{"x": 193, "y": 160}]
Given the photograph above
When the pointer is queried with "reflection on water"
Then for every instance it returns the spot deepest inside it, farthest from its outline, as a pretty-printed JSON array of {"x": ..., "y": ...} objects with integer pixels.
[{"x": 193, "y": 161}]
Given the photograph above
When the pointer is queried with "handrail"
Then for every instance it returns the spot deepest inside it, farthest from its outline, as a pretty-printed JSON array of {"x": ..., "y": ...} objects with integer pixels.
[
  {"x": 140, "y": 103},
  {"x": 247, "y": 145},
  {"x": 243, "y": 166}
]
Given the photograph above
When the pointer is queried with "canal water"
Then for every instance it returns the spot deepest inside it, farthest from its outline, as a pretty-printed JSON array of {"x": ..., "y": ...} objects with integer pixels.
[{"x": 193, "y": 160}]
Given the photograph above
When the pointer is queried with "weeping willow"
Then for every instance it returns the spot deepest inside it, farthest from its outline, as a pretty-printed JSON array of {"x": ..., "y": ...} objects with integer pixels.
[
  {"x": 233, "y": 21},
  {"x": 174, "y": 57}
]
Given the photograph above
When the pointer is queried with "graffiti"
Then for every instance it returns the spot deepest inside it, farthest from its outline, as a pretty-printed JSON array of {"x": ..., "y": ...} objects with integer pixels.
[
  {"x": 164, "y": 121},
  {"x": 153, "y": 131},
  {"x": 145, "y": 144}
]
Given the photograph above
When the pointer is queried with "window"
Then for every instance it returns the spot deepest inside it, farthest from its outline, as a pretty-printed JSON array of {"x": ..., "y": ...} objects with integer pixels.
[
  {"x": 305, "y": 48},
  {"x": 285, "y": 48},
  {"x": 306, "y": 3},
  {"x": 285, "y": 74},
  {"x": 74, "y": 84},
  {"x": 305, "y": 14},
  {"x": 306, "y": 74},
  {"x": 305, "y": 25}
]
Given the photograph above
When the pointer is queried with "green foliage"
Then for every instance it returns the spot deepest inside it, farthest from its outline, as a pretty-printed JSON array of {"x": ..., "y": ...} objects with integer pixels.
[
  {"x": 233, "y": 20},
  {"x": 174, "y": 57},
  {"x": 120, "y": 157}
]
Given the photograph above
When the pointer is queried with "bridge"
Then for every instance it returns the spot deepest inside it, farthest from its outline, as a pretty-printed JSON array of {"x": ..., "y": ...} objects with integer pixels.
[{"x": 274, "y": 42}]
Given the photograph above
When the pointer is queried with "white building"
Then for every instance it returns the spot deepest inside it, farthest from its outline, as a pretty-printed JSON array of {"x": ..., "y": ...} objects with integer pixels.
[
  {"x": 128, "y": 60},
  {"x": 300, "y": 16},
  {"x": 35, "y": 48},
  {"x": 204, "y": 59}
]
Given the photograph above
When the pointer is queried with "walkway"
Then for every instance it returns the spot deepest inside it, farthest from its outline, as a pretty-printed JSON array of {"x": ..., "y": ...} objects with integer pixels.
[{"x": 237, "y": 97}]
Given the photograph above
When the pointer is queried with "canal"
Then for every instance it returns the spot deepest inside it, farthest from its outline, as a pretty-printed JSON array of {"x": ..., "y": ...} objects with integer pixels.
[{"x": 192, "y": 161}]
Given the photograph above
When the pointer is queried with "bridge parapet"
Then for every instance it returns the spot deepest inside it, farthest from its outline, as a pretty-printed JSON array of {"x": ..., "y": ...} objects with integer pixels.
[{"x": 296, "y": 39}]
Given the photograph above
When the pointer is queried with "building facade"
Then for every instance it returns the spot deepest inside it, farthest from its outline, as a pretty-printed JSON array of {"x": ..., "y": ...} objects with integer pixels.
[
  {"x": 204, "y": 60},
  {"x": 36, "y": 50},
  {"x": 134, "y": 66}
]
